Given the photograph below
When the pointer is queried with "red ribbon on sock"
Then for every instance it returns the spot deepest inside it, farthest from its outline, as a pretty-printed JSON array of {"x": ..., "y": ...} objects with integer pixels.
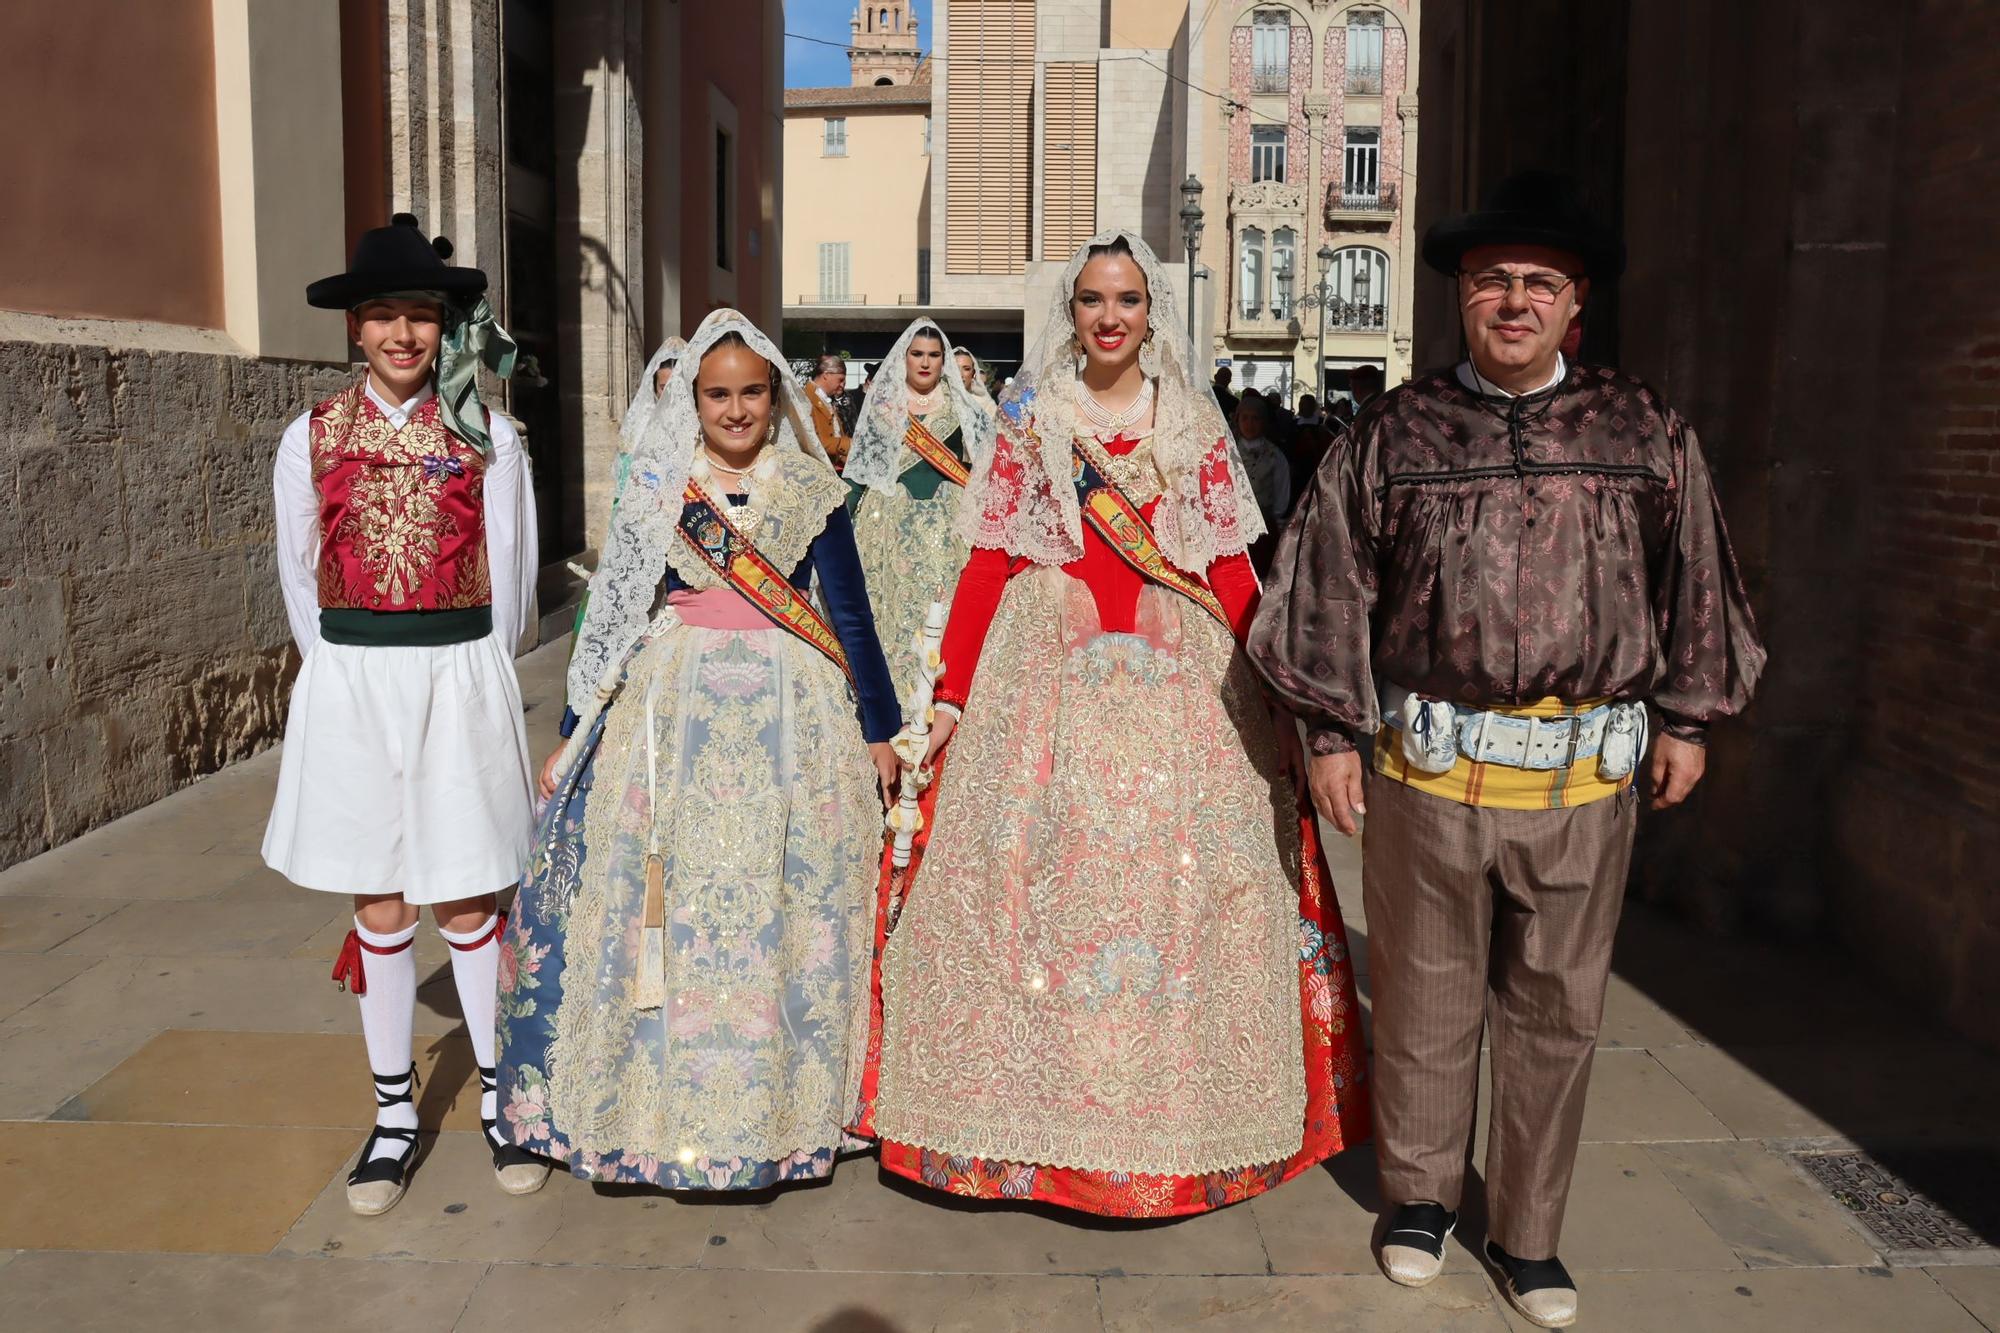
[
  {"x": 347, "y": 969},
  {"x": 499, "y": 925}
]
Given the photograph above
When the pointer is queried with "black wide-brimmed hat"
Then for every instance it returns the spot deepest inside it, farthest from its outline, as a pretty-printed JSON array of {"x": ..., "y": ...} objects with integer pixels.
[
  {"x": 397, "y": 258},
  {"x": 1529, "y": 208}
]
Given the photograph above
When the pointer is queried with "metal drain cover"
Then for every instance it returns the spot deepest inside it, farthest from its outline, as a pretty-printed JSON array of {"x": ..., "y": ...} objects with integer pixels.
[{"x": 1925, "y": 1199}]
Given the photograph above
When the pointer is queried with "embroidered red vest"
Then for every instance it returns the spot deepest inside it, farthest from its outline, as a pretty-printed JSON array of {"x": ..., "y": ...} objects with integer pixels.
[{"x": 402, "y": 513}]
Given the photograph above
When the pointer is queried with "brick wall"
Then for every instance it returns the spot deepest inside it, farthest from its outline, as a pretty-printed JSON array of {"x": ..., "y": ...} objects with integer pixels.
[
  {"x": 143, "y": 641},
  {"x": 1916, "y": 821}
]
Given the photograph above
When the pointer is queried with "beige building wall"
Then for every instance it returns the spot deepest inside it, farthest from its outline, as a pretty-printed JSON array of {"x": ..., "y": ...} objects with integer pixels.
[
  {"x": 872, "y": 200},
  {"x": 1146, "y": 25}
]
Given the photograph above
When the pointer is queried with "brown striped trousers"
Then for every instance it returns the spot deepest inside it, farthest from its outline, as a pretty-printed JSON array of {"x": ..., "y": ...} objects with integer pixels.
[{"x": 1503, "y": 918}]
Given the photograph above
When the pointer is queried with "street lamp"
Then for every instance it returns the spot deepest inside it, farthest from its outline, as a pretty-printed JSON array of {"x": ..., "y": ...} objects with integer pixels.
[
  {"x": 1191, "y": 233},
  {"x": 1321, "y": 298}
]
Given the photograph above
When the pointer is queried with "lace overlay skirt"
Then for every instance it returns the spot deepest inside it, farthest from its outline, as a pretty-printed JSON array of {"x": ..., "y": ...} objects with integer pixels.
[
  {"x": 769, "y": 826},
  {"x": 911, "y": 555},
  {"x": 1119, "y": 981}
]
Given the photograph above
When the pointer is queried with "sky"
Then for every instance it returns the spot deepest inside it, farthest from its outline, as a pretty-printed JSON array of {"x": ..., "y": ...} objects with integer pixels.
[{"x": 811, "y": 65}]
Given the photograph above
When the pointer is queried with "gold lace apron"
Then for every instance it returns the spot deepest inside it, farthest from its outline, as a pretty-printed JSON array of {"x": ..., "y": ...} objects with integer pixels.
[{"x": 1097, "y": 965}]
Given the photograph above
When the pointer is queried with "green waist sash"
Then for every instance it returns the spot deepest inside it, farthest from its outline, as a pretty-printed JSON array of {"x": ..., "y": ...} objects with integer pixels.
[{"x": 404, "y": 629}]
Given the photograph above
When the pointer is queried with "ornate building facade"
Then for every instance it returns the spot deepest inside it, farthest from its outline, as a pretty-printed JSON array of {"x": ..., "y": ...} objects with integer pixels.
[{"x": 1315, "y": 151}]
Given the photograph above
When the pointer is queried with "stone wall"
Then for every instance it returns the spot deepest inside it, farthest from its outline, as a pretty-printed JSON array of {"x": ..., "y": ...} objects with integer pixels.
[{"x": 143, "y": 638}]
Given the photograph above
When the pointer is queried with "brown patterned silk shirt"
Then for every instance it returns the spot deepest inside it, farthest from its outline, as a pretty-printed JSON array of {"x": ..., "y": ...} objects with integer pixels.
[{"x": 1495, "y": 551}]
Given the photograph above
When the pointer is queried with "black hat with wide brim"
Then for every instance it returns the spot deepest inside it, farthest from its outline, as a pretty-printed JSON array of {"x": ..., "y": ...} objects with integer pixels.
[
  {"x": 1529, "y": 208},
  {"x": 397, "y": 258}
]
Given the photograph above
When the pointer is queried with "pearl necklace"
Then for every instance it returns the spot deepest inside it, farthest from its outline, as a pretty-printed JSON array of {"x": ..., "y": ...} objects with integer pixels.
[
  {"x": 923, "y": 404},
  {"x": 749, "y": 515},
  {"x": 1105, "y": 422}
]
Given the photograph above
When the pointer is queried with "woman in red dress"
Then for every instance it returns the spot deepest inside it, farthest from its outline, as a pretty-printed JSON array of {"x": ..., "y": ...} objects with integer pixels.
[{"x": 1119, "y": 981}]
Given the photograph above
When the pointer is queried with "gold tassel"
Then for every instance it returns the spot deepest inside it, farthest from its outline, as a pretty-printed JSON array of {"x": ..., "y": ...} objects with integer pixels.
[{"x": 650, "y": 992}]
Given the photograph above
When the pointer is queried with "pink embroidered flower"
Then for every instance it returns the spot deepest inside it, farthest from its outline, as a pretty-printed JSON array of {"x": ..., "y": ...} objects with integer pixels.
[
  {"x": 528, "y": 1115},
  {"x": 755, "y": 1018}
]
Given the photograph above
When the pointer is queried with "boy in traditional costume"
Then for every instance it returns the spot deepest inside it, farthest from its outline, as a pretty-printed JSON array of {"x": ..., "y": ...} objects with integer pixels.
[{"x": 406, "y": 551}]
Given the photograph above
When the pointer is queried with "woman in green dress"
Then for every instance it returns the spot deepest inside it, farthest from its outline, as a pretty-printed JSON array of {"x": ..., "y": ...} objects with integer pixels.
[{"x": 919, "y": 434}]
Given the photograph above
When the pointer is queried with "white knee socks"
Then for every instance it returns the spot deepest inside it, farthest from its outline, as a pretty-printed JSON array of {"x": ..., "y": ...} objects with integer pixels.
[
  {"x": 475, "y": 970},
  {"x": 388, "y": 998}
]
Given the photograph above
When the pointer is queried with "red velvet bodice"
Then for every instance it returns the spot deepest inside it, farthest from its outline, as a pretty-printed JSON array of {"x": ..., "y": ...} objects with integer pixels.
[{"x": 402, "y": 512}]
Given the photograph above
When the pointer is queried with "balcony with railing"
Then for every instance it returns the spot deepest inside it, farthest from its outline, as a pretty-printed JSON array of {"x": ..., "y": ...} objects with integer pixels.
[
  {"x": 1349, "y": 203},
  {"x": 1355, "y": 317},
  {"x": 1364, "y": 82},
  {"x": 1271, "y": 79}
]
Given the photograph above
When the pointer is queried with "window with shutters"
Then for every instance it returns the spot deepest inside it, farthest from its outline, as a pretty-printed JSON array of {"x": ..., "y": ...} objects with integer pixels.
[
  {"x": 833, "y": 261},
  {"x": 1069, "y": 157},
  {"x": 1364, "y": 52},
  {"x": 990, "y": 138},
  {"x": 1267, "y": 152},
  {"x": 1250, "y": 271},
  {"x": 1271, "y": 51},
  {"x": 836, "y": 136},
  {"x": 924, "y": 276},
  {"x": 1362, "y": 180}
]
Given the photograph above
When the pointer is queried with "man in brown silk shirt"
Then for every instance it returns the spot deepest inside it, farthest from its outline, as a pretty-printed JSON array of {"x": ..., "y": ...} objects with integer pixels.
[{"x": 1492, "y": 576}]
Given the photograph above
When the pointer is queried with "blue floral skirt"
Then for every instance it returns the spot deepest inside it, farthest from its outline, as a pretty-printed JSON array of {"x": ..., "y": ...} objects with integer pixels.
[{"x": 726, "y": 1052}]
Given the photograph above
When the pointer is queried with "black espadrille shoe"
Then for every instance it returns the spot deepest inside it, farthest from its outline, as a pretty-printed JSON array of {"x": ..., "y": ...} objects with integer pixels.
[
  {"x": 1540, "y": 1289},
  {"x": 376, "y": 1184},
  {"x": 518, "y": 1170},
  {"x": 1413, "y": 1246}
]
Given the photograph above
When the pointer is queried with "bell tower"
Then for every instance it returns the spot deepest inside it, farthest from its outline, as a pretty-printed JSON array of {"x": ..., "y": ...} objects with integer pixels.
[{"x": 882, "y": 45}]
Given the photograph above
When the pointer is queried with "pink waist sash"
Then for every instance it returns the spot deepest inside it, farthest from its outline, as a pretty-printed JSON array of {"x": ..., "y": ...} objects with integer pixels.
[{"x": 717, "y": 608}]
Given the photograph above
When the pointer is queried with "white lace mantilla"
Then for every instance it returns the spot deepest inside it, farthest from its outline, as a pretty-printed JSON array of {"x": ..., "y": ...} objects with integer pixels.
[
  {"x": 879, "y": 455},
  {"x": 1022, "y": 500},
  {"x": 641, "y": 536}
]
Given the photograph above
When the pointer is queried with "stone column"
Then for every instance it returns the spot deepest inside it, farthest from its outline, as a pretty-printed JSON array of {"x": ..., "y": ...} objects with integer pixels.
[
  {"x": 600, "y": 220},
  {"x": 445, "y": 126}
]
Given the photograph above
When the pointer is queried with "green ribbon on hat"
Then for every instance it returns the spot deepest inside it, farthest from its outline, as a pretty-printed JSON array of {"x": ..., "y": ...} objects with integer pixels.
[{"x": 472, "y": 338}]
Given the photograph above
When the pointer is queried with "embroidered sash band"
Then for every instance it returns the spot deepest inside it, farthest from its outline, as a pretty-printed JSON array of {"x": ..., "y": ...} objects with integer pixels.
[
  {"x": 711, "y": 534},
  {"x": 933, "y": 451},
  {"x": 1111, "y": 513}
]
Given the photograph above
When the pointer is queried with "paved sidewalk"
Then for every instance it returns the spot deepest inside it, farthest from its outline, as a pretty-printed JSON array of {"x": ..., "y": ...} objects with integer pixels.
[{"x": 183, "y": 1088}]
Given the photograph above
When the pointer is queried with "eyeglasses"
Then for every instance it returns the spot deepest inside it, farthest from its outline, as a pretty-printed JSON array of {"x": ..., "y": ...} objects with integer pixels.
[{"x": 1542, "y": 288}]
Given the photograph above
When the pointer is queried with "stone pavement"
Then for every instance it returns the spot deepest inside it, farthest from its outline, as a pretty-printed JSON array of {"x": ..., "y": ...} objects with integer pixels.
[{"x": 183, "y": 1088}]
